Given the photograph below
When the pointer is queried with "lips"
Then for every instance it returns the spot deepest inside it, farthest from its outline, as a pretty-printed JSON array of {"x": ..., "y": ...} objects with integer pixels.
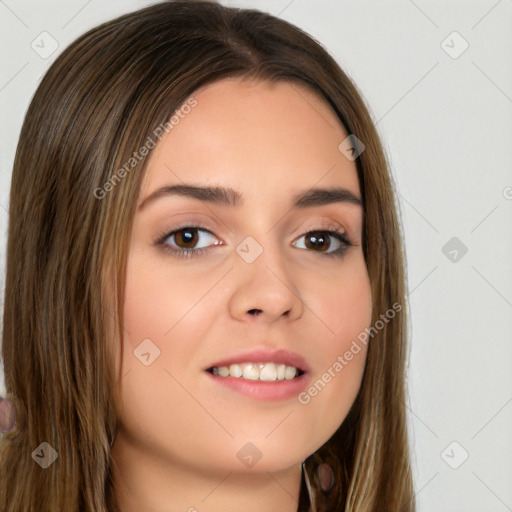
[{"x": 281, "y": 356}]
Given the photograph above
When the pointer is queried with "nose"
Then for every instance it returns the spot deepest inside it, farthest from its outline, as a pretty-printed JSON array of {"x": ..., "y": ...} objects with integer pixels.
[{"x": 264, "y": 288}]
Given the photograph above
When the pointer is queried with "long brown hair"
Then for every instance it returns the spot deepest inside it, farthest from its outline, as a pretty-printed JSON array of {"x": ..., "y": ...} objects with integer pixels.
[{"x": 68, "y": 240}]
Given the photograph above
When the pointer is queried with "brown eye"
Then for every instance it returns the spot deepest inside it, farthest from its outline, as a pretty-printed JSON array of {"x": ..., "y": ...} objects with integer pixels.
[
  {"x": 325, "y": 242},
  {"x": 186, "y": 238},
  {"x": 317, "y": 240}
]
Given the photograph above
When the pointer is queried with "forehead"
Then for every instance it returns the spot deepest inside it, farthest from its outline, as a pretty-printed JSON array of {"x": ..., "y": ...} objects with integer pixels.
[{"x": 257, "y": 136}]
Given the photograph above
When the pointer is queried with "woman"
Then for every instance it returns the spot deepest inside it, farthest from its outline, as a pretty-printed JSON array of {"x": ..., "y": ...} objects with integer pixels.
[{"x": 205, "y": 296}]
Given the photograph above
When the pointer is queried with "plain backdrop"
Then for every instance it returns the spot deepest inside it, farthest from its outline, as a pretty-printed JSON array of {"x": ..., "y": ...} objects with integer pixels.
[{"x": 437, "y": 78}]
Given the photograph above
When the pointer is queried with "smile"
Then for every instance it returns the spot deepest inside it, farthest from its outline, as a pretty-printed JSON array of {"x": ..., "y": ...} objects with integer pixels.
[{"x": 257, "y": 371}]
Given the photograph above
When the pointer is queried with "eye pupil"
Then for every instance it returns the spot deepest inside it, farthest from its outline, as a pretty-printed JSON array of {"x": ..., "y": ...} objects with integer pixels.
[
  {"x": 318, "y": 240},
  {"x": 187, "y": 236}
]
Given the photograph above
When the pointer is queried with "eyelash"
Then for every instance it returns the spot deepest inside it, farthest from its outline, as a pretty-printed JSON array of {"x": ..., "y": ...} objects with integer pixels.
[{"x": 189, "y": 253}]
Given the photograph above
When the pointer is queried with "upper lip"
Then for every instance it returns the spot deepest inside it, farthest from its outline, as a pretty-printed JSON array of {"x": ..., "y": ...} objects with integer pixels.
[{"x": 265, "y": 355}]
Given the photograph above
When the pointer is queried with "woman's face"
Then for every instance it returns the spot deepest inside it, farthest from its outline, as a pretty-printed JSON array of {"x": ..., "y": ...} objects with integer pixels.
[{"x": 246, "y": 275}]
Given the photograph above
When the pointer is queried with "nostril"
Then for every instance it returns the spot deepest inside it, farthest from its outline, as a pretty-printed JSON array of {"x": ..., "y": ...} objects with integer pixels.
[{"x": 254, "y": 312}]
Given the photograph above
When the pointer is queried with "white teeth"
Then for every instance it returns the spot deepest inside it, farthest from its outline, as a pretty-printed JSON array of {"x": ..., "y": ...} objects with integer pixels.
[
  {"x": 223, "y": 371},
  {"x": 268, "y": 372},
  {"x": 290, "y": 372},
  {"x": 258, "y": 371},
  {"x": 235, "y": 370},
  {"x": 251, "y": 372}
]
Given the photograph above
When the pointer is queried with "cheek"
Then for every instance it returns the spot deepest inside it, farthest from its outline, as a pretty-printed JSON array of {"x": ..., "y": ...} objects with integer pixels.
[
  {"x": 157, "y": 331},
  {"x": 342, "y": 302},
  {"x": 344, "y": 306},
  {"x": 164, "y": 321},
  {"x": 155, "y": 305}
]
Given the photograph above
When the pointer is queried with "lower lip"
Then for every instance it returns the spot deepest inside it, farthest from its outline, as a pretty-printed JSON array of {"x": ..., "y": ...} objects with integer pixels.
[{"x": 264, "y": 390}]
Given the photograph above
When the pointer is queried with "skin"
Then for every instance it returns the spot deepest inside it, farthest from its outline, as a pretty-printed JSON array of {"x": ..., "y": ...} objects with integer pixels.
[
  {"x": 179, "y": 433},
  {"x": 7, "y": 415}
]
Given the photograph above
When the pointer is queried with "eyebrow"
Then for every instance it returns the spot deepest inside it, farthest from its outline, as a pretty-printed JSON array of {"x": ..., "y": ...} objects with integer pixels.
[{"x": 230, "y": 197}]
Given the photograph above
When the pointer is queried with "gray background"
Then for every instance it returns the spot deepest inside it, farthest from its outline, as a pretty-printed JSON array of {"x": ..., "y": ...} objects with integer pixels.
[{"x": 445, "y": 118}]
